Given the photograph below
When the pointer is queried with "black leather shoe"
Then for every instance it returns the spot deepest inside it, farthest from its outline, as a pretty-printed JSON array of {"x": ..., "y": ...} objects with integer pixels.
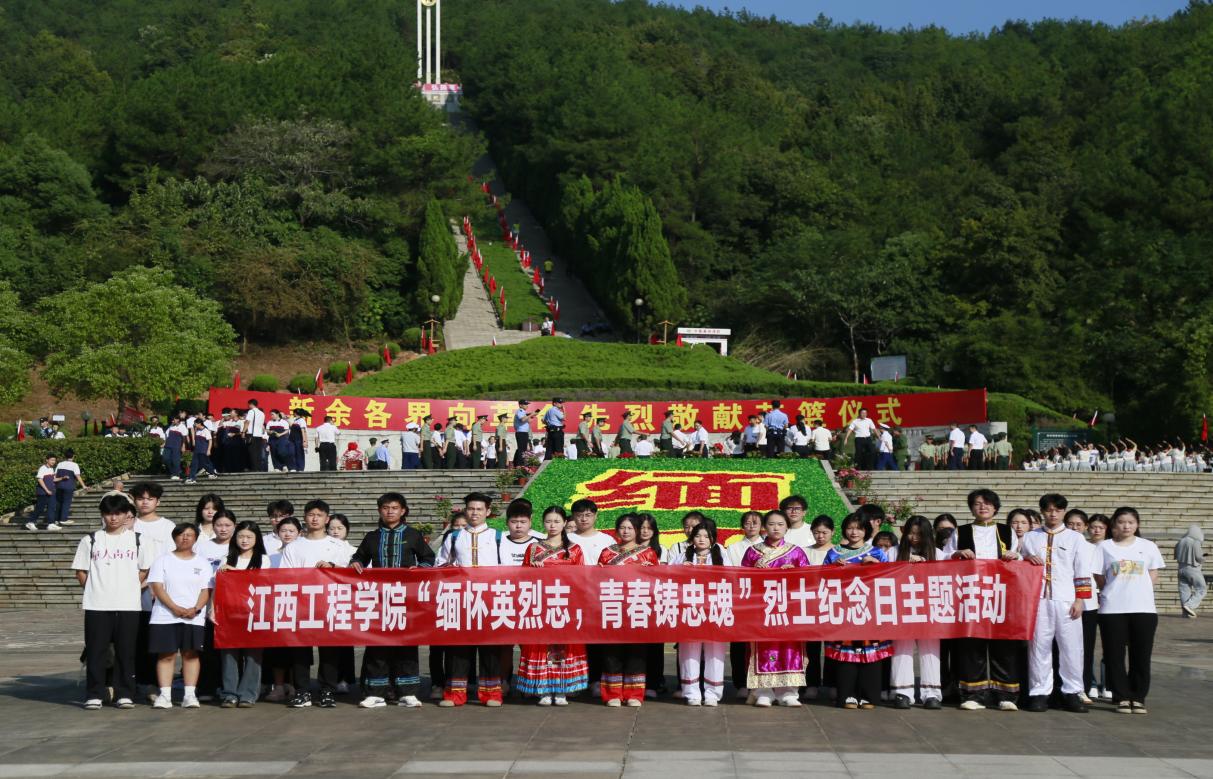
[
  {"x": 901, "y": 702},
  {"x": 1072, "y": 703},
  {"x": 1038, "y": 703},
  {"x": 932, "y": 703}
]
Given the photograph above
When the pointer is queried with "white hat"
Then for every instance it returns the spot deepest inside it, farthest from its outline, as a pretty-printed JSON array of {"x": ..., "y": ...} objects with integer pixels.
[{"x": 411, "y": 426}]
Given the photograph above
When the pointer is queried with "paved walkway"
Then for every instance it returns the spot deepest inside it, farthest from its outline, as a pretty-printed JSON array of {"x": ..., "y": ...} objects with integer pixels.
[
  {"x": 46, "y": 733},
  {"x": 475, "y": 323}
]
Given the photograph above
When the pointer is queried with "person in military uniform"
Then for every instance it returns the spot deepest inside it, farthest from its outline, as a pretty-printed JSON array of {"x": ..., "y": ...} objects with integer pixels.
[
  {"x": 584, "y": 438},
  {"x": 626, "y": 433},
  {"x": 477, "y": 434},
  {"x": 1002, "y": 452},
  {"x": 927, "y": 454},
  {"x": 665, "y": 440},
  {"x": 503, "y": 446},
  {"x": 427, "y": 445},
  {"x": 596, "y": 432}
]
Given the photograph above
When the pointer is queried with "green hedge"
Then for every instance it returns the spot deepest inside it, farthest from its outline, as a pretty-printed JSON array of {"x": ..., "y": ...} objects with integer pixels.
[
  {"x": 263, "y": 382},
  {"x": 302, "y": 382},
  {"x": 99, "y": 459},
  {"x": 336, "y": 370},
  {"x": 371, "y": 361},
  {"x": 523, "y": 300},
  {"x": 412, "y": 339}
]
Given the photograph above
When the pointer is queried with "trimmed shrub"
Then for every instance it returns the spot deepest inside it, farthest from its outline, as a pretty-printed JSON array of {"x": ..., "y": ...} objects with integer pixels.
[
  {"x": 336, "y": 371},
  {"x": 263, "y": 382},
  {"x": 392, "y": 347},
  {"x": 303, "y": 382},
  {"x": 371, "y": 361},
  {"x": 99, "y": 459},
  {"x": 412, "y": 338}
]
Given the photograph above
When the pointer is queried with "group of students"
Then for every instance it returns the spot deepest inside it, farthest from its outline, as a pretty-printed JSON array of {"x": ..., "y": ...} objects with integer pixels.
[
  {"x": 147, "y": 583},
  {"x": 1121, "y": 455}
]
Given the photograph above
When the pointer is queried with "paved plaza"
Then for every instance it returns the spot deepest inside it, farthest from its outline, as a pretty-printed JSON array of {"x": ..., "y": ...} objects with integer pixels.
[{"x": 46, "y": 733}]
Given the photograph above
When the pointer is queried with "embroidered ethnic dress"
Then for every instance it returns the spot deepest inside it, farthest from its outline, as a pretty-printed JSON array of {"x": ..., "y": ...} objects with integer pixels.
[
  {"x": 623, "y": 664},
  {"x": 857, "y": 651},
  {"x": 775, "y": 664},
  {"x": 552, "y": 669}
]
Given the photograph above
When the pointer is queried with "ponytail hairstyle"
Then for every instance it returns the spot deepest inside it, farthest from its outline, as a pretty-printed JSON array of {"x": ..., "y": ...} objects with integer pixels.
[
  {"x": 560, "y": 512},
  {"x": 709, "y": 527}
]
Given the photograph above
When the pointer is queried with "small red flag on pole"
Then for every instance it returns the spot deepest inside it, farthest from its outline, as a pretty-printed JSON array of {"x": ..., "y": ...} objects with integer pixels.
[
  {"x": 1204, "y": 428},
  {"x": 349, "y": 372},
  {"x": 21, "y": 425},
  {"x": 320, "y": 380},
  {"x": 1094, "y": 418},
  {"x": 387, "y": 355},
  {"x": 236, "y": 381}
]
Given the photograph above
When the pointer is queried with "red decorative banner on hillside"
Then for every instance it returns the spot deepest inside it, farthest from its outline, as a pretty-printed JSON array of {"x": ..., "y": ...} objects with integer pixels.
[
  {"x": 928, "y": 409},
  {"x": 630, "y": 604}
]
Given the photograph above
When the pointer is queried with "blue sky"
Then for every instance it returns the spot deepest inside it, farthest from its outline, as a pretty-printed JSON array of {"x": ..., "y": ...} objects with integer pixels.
[{"x": 957, "y": 16}]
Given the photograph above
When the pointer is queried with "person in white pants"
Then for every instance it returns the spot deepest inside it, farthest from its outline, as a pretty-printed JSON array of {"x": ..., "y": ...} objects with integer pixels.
[
  {"x": 1067, "y": 583},
  {"x": 917, "y": 546},
  {"x": 702, "y": 549}
]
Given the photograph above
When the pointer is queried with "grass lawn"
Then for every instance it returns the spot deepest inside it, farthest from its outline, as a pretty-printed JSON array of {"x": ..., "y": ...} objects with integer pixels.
[{"x": 524, "y": 302}]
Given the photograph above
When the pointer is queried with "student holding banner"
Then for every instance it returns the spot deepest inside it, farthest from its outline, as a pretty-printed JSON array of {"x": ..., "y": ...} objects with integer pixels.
[
  {"x": 776, "y": 669},
  {"x": 624, "y": 664},
  {"x": 391, "y": 673}
]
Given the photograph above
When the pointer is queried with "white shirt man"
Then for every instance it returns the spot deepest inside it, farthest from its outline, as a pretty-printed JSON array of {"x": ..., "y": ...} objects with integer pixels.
[
  {"x": 977, "y": 441},
  {"x": 326, "y": 433},
  {"x": 886, "y": 442},
  {"x": 254, "y": 423},
  {"x": 642, "y": 448},
  {"x": 956, "y": 438},
  {"x": 861, "y": 427},
  {"x": 821, "y": 438}
]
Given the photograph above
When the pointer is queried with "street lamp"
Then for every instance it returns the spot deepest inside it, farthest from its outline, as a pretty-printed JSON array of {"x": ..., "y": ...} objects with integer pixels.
[
  {"x": 435, "y": 299},
  {"x": 638, "y": 302},
  {"x": 86, "y": 417}
]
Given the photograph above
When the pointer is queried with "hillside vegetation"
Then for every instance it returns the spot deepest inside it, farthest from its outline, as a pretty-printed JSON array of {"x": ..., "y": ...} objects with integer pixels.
[{"x": 1029, "y": 210}]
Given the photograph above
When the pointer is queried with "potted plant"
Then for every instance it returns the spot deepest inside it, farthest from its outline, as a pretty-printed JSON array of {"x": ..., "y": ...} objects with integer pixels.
[
  {"x": 426, "y": 529},
  {"x": 442, "y": 507},
  {"x": 505, "y": 479}
]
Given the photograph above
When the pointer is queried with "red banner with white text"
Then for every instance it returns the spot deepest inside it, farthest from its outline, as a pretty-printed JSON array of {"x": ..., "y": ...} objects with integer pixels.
[
  {"x": 927, "y": 409},
  {"x": 626, "y": 604}
]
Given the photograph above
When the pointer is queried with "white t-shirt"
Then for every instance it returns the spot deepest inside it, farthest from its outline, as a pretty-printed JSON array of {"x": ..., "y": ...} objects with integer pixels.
[
  {"x": 570, "y": 451},
  {"x": 956, "y": 438},
  {"x": 410, "y": 442},
  {"x": 183, "y": 580},
  {"x": 113, "y": 562},
  {"x": 821, "y": 439},
  {"x": 512, "y": 552},
  {"x": 591, "y": 546},
  {"x": 1092, "y": 560},
  {"x": 157, "y": 536},
  {"x": 256, "y": 423},
  {"x": 738, "y": 548},
  {"x": 326, "y": 433},
  {"x": 305, "y": 552},
  {"x": 212, "y": 551},
  {"x": 862, "y": 427},
  {"x": 68, "y": 465},
  {"x": 801, "y": 536},
  {"x": 640, "y": 449},
  {"x": 886, "y": 442},
  {"x": 272, "y": 543},
  {"x": 977, "y": 441},
  {"x": 46, "y": 475},
  {"x": 1127, "y": 588}
]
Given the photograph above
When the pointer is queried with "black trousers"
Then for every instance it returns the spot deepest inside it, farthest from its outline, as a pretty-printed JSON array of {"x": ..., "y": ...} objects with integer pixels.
[
  {"x": 956, "y": 458},
  {"x": 977, "y": 460},
  {"x": 102, "y": 628},
  {"x": 738, "y": 664},
  {"x": 623, "y": 660},
  {"x": 857, "y": 680},
  {"x": 593, "y": 657},
  {"x": 654, "y": 668},
  {"x": 985, "y": 669},
  {"x": 328, "y": 456},
  {"x": 330, "y": 667},
  {"x": 1090, "y": 621},
  {"x": 812, "y": 673},
  {"x": 1134, "y": 632},
  {"x": 145, "y": 662},
  {"x": 554, "y": 444},
  {"x": 523, "y": 442},
  {"x": 775, "y": 442},
  {"x": 461, "y": 664},
  {"x": 256, "y": 454},
  {"x": 209, "y": 676},
  {"x": 391, "y": 671},
  {"x": 865, "y": 453},
  {"x": 438, "y": 666}
]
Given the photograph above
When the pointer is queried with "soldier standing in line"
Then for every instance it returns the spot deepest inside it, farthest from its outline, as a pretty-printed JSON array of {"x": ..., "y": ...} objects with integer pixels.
[
  {"x": 626, "y": 433},
  {"x": 427, "y": 446}
]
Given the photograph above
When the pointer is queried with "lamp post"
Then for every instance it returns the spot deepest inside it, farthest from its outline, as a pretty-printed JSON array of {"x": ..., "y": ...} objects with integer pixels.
[
  {"x": 435, "y": 299},
  {"x": 639, "y": 303},
  {"x": 86, "y": 417}
]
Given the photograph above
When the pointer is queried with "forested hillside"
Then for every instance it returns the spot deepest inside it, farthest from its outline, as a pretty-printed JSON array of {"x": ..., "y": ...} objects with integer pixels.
[
  {"x": 1029, "y": 210},
  {"x": 272, "y": 154}
]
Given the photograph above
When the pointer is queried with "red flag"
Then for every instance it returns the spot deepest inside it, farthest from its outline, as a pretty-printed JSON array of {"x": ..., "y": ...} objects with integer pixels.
[
  {"x": 678, "y": 340},
  {"x": 492, "y": 285},
  {"x": 494, "y": 340},
  {"x": 320, "y": 379},
  {"x": 349, "y": 372},
  {"x": 433, "y": 348},
  {"x": 1094, "y": 417},
  {"x": 865, "y": 379},
  {"x": 236, "y": 381},
  {"x": 503, "y": 297},
  {"x": 536, "y": 277},
  {"x": 1204, "y": 428},
  {"x": 387, "y": 355},
  {"x": 96, "y": 428},
  {"x": 21, "y": 426}
]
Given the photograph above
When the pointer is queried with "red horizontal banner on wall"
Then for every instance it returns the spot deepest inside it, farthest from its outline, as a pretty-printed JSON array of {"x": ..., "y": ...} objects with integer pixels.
[
  {"x": 626, "y": 604},
  {"x": 928, "y": 409}
]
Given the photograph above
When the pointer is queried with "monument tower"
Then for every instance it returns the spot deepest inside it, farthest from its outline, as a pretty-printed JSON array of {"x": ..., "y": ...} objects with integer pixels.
[{"x": 429, "y": 58}]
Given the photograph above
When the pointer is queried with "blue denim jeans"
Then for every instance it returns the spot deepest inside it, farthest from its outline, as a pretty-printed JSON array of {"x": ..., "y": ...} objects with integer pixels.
[{"x": 244, "y": 686}]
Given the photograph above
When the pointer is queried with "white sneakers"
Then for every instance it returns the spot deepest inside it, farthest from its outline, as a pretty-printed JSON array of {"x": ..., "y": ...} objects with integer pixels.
[
  {"x": 190, "y": 702},
  {"x": 372, "y": 702},
  {"x": 972, "y": 705},
  {"x": 1007, "y": 706},
  {"x": 409, "y": 702},
  {"x": 92, "y": 704},
  {"x": 694, "y": 702},
  {"x": 162, "y": 702},
  {"x": 560, "y": 700},
  {"x": 614, "y": 703},
  {"x": 633, "y": 703},
  {"x": 545, "y": 700},
  {"x": 791, "y": 699},
  {"x": 709, "y": 701},
  {"x": 762, "y": 701}
]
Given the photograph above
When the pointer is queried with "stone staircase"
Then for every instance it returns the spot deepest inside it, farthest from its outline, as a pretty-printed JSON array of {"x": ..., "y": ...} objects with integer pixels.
[
  {"x": 34, "y": 566},
  {"x": 1168, "y": 502}
]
